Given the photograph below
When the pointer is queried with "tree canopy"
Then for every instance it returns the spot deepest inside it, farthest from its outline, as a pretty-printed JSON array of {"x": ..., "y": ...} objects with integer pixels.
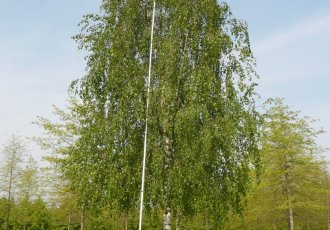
[
  {"x": 203, "y": 134},
  {"x": 293, "y": 189}
]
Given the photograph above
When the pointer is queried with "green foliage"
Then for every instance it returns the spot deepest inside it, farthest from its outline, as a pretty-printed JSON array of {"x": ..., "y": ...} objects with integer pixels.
[
  {"x": 13, "y": 152},
  {"x": 30, "y": 215},
  {"x": 294, "y": 177},
  {"x": 203, "y": 126},
  {"x": 22, "y": 208},
  {"x": 28, "y": 183},
  {"x": 40, "y": 217},
  {"x": 3, "y": 209}
]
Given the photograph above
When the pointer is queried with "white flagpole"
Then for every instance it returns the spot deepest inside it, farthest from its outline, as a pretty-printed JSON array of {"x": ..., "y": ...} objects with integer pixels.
[{"x": 146, "y": 125}]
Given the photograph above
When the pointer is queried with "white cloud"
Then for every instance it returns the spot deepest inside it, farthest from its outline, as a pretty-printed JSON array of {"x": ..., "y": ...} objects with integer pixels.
[{"x": 311, "y": 27}]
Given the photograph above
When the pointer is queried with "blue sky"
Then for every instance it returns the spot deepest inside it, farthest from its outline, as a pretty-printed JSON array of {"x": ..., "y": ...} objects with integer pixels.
[
  {"x": 38, "y": 58},
  {"x": 290, "y": 40}
]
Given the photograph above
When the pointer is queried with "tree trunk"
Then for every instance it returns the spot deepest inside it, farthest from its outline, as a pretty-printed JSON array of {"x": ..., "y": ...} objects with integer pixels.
[
  {"x": 291, "y": 224},
  {"x": 288, "y": 197},
  {"x": 82, "y": 219},
  {"x": 206, "y": 222},
  {"x": 9, "y": 198},
  {"x": 25, "y": 216},
  {"x": 7, "y": 214},
  {"x": 126, "y": 221},
  {"x": 274, "y": 225},
  {"x": 309, "y": 223},
  {"x": 177, "y": 221},
  {"x": 69, "y": 221}
]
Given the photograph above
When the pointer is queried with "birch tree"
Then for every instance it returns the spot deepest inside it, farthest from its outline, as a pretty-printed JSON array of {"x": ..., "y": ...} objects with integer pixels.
[
  {"x": 13, "y": 152},
  {"x": 203, "y": 134}
]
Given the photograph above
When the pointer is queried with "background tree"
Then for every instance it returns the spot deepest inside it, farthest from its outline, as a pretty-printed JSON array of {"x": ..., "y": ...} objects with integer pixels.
[
  {"x": 3, "y": 205},
  {"x": 293, "y": 181},
  {"x": 28, "y": 190},
  {"x": 60, "y": 139},
  {"x": 13, "y": 152},
  {"x": 69, "y": 186},
  {"x": 40, "y": 216},
  {"x": 62, "y": 202}
]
